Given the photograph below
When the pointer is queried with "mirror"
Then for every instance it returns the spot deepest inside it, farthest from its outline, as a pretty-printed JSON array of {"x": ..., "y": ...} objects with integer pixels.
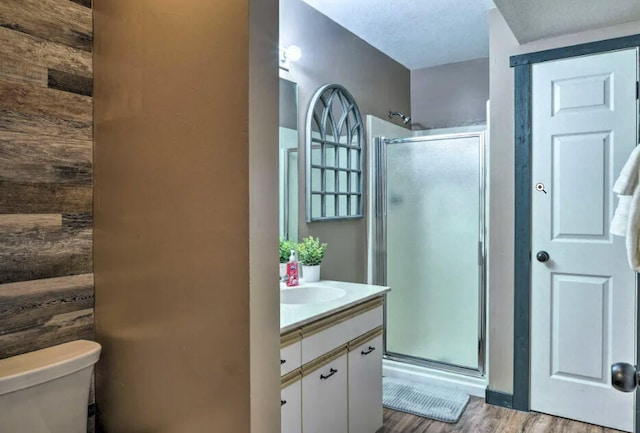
[
  {"x": 334, "y": 150},
  {"x": 288, "y": 160}
]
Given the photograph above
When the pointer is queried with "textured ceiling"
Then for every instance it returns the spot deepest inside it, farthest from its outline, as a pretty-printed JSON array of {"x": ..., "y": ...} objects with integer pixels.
[
  {"x": 416, "y": 33},
  {"x": 536, "y": 19}
]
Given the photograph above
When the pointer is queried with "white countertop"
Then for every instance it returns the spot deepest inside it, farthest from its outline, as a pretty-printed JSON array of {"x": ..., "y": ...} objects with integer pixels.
[{"x": 296, "y": 315}]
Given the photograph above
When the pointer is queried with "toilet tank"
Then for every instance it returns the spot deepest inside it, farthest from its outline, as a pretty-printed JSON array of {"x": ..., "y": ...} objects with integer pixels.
[{"x": 47, "y": 391}]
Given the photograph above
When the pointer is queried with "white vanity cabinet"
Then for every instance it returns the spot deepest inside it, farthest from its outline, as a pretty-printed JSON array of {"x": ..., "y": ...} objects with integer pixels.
[
  {"x": 339, "y": 360},
  {"x": 365, "y": 383},
  {"x": 324, "y": 396},
  {"x": 290, "y": 352},
  {"x": 291, "y": 404},
  {"x": 339, "y": 329}
]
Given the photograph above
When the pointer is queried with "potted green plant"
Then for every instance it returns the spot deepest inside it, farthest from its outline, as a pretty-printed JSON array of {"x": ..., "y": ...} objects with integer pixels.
[
  {"x": 286, "y": 246},
  {"x": 311, "y": 253}
]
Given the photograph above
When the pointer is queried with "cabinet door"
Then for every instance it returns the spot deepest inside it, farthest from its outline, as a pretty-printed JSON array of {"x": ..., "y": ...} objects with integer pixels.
[
  {"x": 291, "y": 408},
  {"x": 324, "y": 398},
  {"x": 365, "y": 387},
  {"x": 289, "y": 358}
]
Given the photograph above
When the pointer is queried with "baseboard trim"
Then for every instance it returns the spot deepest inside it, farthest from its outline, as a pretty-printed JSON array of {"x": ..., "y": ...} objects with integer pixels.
[{"x": 498, "y": 398}]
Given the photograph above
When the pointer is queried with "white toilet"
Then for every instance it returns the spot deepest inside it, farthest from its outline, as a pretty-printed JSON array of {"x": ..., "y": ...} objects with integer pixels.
[{"x": 47, "y": 391}]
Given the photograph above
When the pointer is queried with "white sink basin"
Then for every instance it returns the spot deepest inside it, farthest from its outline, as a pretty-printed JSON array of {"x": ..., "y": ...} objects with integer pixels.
[{"x": 310, "y": 295}]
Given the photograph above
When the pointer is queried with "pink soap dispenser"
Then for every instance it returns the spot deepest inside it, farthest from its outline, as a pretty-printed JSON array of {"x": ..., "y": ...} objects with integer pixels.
[{"x": 292, "y": 271}]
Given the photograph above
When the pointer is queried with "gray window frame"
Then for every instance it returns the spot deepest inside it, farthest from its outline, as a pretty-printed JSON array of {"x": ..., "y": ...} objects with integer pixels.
[{"x": 322, "y": 122}]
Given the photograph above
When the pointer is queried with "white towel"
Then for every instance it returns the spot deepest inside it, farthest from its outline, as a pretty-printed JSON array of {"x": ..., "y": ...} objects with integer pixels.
[
  {"x": 626, "y": 220},
  {"x": 621, "y": 216},
  {"x": 628, "y": 179},
  {"x": 633, "y": 231}
]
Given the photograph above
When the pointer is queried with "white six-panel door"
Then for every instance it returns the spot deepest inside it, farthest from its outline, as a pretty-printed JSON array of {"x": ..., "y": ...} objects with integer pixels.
[{"x": 583, "y": 299}]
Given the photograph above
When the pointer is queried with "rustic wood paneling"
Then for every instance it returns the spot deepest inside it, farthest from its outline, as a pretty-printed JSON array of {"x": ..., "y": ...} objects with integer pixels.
[
  {"x": 36, "y": 111},
  {"x": 36, "y": 101},
  {"x": 91, "y": 423},
  {"x": 59, "y": 21},
  {"x": 41, "y": 253},
  {"x": 70, "y": 83},
  {"x": 28, "y": 159},
  {"x": 46, "y": 53},
  {"x": 44, "y": 198},
  {"x": 92, "y": 392},
  {"x": 45, "y": 125},
  {"x": 21, "y": 71},
  {"x": 58, "y": 329},
  {"x": 20, "y": 223},
  {"x": 85, "y": 3},
  {"x": 77, "y": 221},
  {"x": 46, "y": 165},
  {"x": 33, "y": 303},
  {"x": 481, "y": 417}
]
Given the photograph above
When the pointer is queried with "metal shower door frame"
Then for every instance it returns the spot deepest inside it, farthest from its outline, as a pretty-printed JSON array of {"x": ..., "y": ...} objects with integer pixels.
[{"x": 379, "y": 247}]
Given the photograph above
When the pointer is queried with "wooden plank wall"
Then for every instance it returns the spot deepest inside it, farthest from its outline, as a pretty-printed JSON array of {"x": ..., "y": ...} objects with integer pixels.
[
  {"x": 46, "y": 163},
  {"x": 46, "y": 157}
]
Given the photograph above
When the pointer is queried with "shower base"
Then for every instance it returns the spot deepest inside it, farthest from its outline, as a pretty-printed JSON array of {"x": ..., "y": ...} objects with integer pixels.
[{"x": 474, "y": 386}]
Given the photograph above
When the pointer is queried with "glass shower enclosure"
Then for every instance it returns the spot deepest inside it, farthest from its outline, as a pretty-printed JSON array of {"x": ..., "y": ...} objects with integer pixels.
[{"x": 429, "y": 248}]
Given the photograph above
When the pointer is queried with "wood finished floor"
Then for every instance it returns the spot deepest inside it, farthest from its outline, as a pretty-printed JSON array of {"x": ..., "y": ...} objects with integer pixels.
[{"x": 483, "y": 418}]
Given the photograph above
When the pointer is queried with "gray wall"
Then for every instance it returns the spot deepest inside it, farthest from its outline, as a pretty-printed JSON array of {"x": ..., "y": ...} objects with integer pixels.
[
  {"x": 288, "y": 102},
  {"x": 331, "y": 54},
  {"x": 501, "y": 179},
  {"x": 450, "y": 95}
]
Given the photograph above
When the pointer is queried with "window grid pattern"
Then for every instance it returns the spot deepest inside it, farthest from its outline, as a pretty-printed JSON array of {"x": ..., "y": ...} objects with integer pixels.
[{"x": 334, "y": 156}]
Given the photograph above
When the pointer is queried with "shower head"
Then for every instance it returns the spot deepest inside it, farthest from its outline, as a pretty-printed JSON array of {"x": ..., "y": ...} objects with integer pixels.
[{"x": 405, "y": 119}]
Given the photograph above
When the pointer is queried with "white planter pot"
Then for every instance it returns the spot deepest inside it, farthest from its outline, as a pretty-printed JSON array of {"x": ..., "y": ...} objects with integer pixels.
[
  {"x": 311, "y": 274},
  {"x": 283, "y": 271}
]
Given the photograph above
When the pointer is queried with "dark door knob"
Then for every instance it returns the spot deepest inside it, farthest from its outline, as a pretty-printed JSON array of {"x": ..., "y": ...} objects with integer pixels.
[
  {"x": 624, "y": 377},
  {"x": 542, "y": 256}
]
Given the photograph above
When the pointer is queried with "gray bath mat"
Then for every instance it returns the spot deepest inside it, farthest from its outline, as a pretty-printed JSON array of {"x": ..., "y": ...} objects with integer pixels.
[{"x": 425, "y": 400}]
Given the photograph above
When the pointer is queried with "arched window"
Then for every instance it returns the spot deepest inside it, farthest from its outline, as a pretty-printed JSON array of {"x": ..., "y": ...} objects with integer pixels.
[{"x": 334, "y": 156}]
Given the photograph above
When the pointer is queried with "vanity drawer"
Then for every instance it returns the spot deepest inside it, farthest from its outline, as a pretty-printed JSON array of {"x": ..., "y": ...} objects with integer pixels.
[
  {"x": 290, "y": 358},
  {"x": 290, "y": 352},
  {"x": 327, "y": 334}
]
